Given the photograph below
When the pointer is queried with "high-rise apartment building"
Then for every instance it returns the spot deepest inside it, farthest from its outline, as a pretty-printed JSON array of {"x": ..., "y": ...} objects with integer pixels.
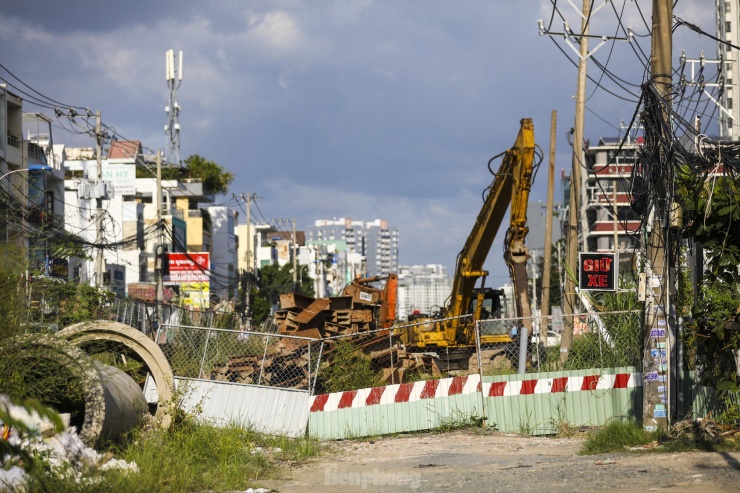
[
  {"x": 381, "y": 248},
  {"x": 374, "y": 240},
  {"x": 612, "y": 223},
  {"x": 728, "y": 29},
  {"x": 422, "y": 288}
]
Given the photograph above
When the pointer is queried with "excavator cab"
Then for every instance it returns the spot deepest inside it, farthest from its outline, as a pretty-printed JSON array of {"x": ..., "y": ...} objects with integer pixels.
[
  {"x": 487, "y": 303},
  {"x": 491, "y": 317}
]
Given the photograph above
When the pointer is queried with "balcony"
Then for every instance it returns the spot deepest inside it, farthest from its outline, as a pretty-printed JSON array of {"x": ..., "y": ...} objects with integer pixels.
[
  {"x": 36, "y": 154},
  {"x": 194, "y": 190},
  {"x": 175, "y": 212}
]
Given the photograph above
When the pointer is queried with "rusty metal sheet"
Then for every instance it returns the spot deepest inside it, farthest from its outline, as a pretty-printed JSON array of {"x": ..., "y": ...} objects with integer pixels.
[
  {"x": 312, "y": 311},
  {"x": 295, "y": 300}
]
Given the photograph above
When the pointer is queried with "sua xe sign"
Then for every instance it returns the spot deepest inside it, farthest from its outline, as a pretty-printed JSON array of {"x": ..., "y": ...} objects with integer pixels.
[
  {"x": 188, "y": 267},
  {"x": 597, "y": 271}
]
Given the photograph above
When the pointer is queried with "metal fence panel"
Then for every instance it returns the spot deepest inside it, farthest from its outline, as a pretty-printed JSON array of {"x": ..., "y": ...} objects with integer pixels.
[
  {"x": 600, "y": 340},
  {"x": 269, "y": 410},
  {"x": 234, "y": 356},
  {"x": 397, "y": 408},
  {"x": 543, "y": 403}
]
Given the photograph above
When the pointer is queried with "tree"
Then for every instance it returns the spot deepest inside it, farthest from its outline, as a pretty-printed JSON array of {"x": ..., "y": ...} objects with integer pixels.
[
  {"x": 274, "y": 281},
  {"x": 215, "y": 179},
  {"x": 711, "y": 215},
  {"x": 213, "y": 176}
]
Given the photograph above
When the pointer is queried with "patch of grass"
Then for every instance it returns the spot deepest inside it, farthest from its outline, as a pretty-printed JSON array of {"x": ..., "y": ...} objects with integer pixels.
[
  {"x": 191, "y": 458},
  {"x": 198, "y": 457},
  {"x": 561, "y": 425},
  {"x": 457, "y": 421},
  {"x": 350, "y": 369},
  {"x": 616, "y": 436},
  {"x": 525, "y": 427},
  {"x": 619, "y": 436}
]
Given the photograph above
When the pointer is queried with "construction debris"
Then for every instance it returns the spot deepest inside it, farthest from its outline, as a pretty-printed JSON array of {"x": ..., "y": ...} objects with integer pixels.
[{"x": 363, "y": 314}]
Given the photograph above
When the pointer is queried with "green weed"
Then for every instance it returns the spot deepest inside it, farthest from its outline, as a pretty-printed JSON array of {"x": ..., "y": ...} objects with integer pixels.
[
  {"x": 525, "y": 427},
  {"x": 456, "y": 421},
  {"x": 616, "y": 436}
]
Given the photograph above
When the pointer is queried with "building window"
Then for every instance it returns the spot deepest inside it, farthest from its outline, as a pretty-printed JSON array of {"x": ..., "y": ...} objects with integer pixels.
[{"x": 728, "y": 26}]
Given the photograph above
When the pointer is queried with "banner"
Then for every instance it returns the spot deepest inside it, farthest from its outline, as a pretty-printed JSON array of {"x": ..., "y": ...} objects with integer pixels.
[{"x": 188, "y": 267}]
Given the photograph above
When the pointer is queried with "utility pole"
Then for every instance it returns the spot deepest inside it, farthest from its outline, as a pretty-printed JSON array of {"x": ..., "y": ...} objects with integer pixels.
[
  {"x": 99, "y": 278},
  {"x": 248, "y": 258},
  {"x": 295, "y": 260},
  {"x": 658, "y": 368},
  {"x": 547, "y": 261},
  {"x": 159, "y": 255},
  {"x": 534, "y": 284},
  {"x": 586, "y": 14},
  {"x": 575, "y": 188}
]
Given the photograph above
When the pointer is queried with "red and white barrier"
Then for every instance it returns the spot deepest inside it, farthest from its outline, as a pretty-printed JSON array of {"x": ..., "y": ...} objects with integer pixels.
[
  {"x": 562, "y": 384},
  {"x": 416, "y": 391},
  {"x": 390, "y": 394}
]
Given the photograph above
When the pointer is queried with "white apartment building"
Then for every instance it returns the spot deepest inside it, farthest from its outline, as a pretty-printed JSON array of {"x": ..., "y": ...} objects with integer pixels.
[
  {"x": 612, "y": 224},
  {"x": 224, "y": 262},
  {"x": 130, "y": 213},
  {"x": 422, "y": 288},
  {"x": 376, "y": 241},
  {"x": 728, "y": 29}
]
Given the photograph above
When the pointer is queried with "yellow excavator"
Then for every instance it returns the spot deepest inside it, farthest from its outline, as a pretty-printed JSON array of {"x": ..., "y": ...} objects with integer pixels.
[{"x": 454, "y": 334}]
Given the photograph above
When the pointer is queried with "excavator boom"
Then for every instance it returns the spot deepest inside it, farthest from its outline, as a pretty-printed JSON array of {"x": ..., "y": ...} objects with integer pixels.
[{"x": 510, "y": 186}]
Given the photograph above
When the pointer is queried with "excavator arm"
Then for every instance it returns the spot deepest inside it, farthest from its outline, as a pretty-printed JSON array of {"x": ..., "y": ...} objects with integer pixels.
[
  {"x": 516, "y": 252},
  {"x": 510, "y": 186}
]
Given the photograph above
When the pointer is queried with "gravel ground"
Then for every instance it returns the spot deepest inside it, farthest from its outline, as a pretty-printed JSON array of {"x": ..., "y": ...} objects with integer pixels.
[{"x": 473, "y": 461}]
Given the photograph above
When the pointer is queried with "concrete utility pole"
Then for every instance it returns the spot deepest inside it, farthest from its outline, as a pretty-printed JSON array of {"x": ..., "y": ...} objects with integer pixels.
[
  {"x": 99, "y": 277},
  {"x": 248, "y": 257},
  {"x": 575, "y": 189},
  {"x": 295, "y": 260},
  {"x": 547, "y": 261},
  {"x": 574, "y": 210},
  {"x": 658, "y": 370},
  {"x": 159, "y": 256}
]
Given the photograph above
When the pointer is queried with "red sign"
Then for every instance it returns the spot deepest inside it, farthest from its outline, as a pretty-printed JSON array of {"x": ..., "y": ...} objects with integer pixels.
[
  {"x": 188, "y": 267},
  {"x": 597, "y": 271},
  {"x": 143, "y": 292}
]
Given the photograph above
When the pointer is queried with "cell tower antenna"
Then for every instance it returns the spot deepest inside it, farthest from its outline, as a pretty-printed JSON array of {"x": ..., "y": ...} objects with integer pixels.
[{"x": 172, "y": 128}]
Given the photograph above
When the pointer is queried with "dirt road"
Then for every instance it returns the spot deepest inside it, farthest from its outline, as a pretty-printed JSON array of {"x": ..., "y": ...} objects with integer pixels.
[{"x": 478, "y": 461}]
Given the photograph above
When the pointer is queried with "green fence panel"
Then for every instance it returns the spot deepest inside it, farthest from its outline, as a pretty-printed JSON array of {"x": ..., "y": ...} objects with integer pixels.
[
  {"x": 542, "y": 403},
  {"x": 415, "y": 406}
]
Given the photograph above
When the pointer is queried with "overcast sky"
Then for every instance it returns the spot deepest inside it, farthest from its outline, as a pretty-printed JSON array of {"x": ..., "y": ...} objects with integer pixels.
[{"x": 342, "y": 108}]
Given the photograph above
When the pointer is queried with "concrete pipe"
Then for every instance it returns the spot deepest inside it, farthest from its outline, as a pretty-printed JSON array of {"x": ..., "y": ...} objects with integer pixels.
[
  {"x": 118, "y": 407},
  {"x": 147, "y": 350},
  {"x": 112, "y": 402}
]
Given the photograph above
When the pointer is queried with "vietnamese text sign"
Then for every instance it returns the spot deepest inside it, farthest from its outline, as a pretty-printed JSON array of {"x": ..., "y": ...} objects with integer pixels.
[
  {"x": 121, "y": 176},
  {"x": 597, "y": 271},
  {"x": 188, "y": 267}
]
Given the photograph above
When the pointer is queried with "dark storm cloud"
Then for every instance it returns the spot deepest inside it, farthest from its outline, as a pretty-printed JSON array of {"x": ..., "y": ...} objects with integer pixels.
[{"x": 353, "y": 108}]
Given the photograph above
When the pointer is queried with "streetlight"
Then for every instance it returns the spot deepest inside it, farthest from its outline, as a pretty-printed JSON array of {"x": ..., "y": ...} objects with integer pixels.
[{"x": 33, "y": 167}]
